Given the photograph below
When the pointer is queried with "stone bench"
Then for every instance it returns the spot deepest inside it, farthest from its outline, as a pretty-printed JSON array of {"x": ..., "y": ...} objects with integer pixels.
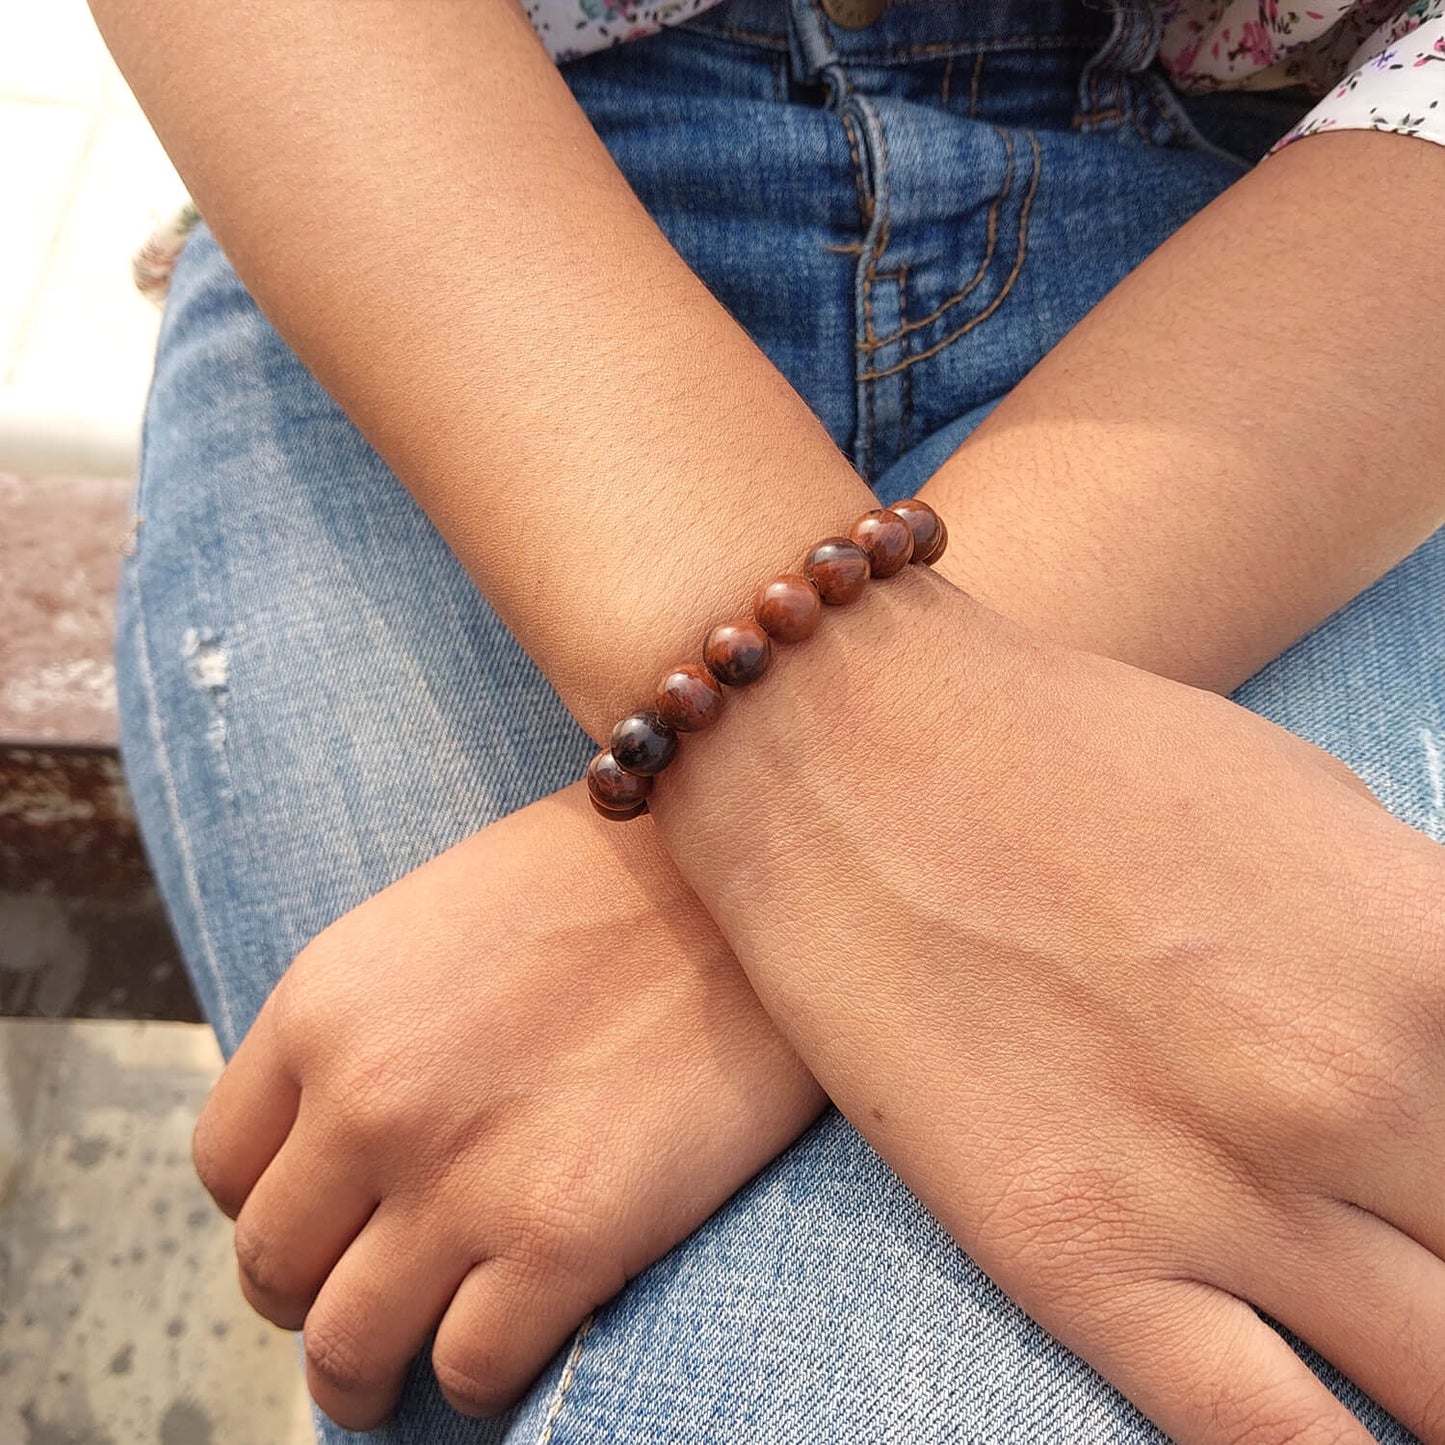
[{"x": 82, "y": 933}]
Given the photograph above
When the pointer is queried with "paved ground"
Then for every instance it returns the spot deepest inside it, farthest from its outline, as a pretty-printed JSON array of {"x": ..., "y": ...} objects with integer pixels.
[{"x": 120, "y": 1319}]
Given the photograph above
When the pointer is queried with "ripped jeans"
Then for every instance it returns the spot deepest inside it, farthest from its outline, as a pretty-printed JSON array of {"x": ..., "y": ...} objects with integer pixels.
[{"x": 906, "y": 218}]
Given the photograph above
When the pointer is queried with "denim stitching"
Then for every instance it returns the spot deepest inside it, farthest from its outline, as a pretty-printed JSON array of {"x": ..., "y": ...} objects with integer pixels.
[
  {"x": 967, "y": 47},
  {"x": 973, "y": 86},
  {"x": 739, "y": 37},
  {"x": 565, "y": 1383},
  {"x": 947, "y": 341},
  {"x": 865, "y": 204},
  {"x": 1096, "y": 117},
  {"x": 131, "y": 580},
  {"x": 870, "y": 270},
  {"x": 905, "y": 421},
  {"x": 1107, "y": 56},
  {"x": 879, "y": 193},
  {"x": 703, "y": 29},
  {"x": 172, "y": 797},
  {"x": 870, "y": 393},
  {"x": 947, "y": 82},
  {"x": 1161, "y": 106},
  {"x": 1149, "y": 33},
  {"x": 995, "y": 209}
]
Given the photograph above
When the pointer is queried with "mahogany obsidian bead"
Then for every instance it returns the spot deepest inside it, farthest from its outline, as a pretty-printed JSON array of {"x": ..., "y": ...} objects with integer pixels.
[
  {"x": 886, "y": 538},
  {"x": 788, "y": 607},
  {"x": 643, "y": 743},
  {"x": 737, "y": 653},
  {"x": 930, "y": 536},
  {"x": 838, "y": 568},
  {"x": 688, "y": 699},
  {"x": 615, "y": 793}
]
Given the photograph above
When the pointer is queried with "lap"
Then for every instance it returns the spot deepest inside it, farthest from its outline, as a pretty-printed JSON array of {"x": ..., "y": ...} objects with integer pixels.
[{"x": 316, "y": 701}]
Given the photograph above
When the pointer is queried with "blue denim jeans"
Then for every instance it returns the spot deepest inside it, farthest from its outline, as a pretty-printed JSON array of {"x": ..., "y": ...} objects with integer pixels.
[{"x": 315, "y": 699}]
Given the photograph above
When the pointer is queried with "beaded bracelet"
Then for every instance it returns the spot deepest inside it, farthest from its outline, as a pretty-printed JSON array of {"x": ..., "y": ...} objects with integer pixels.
[{"x": 786, "y": 608}]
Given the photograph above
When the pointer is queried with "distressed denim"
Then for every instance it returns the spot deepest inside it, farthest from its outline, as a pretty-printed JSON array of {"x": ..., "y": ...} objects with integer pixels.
[{"x": 315, "y": 700}]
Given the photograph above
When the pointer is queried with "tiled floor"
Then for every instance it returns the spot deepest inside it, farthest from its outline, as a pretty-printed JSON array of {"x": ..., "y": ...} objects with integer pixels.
[
  {"x": 120, "y": 1319},
  {"x": 85, "y": 180}
]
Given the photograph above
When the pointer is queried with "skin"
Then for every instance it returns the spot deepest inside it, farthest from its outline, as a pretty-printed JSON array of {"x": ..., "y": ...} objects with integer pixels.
[
  {"x": 1103, "y": 466},
  {"x": 604, "y": 1082}
]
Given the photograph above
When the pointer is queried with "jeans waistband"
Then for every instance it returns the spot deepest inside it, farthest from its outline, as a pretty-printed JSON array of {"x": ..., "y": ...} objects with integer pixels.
[{"x": 912, "y": 30}]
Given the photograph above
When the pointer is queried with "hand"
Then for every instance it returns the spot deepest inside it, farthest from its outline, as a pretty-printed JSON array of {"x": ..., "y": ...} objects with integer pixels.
[
  {"x": 1142, "y": 995},
  {"x": 488, "y": 1097}
]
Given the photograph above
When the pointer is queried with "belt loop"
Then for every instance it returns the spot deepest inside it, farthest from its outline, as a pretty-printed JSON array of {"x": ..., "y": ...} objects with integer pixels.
[
  {"x": 1148, "y": 26},
  {"x": 1134, "y": 32},
  {"x": 810, "y": 46}
]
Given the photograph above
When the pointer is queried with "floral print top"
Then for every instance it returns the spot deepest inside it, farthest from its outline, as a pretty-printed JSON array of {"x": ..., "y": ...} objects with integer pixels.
[{"x": 1378, "y": 64}]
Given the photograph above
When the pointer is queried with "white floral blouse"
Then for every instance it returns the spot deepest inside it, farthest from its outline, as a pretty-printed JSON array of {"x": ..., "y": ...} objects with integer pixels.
[
  {"x": 1378, "y": 64},
  {"x": 1382, "y": 61}
]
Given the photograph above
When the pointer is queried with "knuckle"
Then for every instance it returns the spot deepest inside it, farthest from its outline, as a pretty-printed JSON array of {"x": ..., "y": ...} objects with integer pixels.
[
  {"x": 337, "y": 1355},
  {"x": 470, "y": 1387},
  {"x": 551, "y": 1228},
  {"x": 264, "y": 1272},
  {"x": 378, "y": 1100},
  {"x": 209, "y": 1158},
  {"x": 1274, "y": 1414},
  {"x": 1351, "y": 1072},
  {"x": 1270, "y": 1427}
]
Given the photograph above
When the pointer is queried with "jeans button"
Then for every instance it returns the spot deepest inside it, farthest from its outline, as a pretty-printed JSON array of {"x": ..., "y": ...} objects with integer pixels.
[{"x": 854, "y": 14}]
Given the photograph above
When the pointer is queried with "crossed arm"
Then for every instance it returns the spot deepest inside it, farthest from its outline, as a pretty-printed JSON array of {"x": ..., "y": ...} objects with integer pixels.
[{"x": 1105, "y": 504}]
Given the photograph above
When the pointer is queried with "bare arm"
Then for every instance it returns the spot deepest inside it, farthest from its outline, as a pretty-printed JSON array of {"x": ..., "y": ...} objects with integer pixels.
[
  {"x": 1240, "y": 437},
  {"x": 600, "y": 443}
]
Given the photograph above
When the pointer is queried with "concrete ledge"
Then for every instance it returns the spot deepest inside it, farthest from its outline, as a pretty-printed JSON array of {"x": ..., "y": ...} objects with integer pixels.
[{"x": 82, "y": 931}]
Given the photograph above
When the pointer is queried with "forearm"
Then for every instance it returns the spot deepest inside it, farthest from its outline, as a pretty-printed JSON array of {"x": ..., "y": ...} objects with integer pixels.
[
  {"x": 1188, "y": 481},
  {"x": 1239, "y": 438},
  {"x": 413, "y": 196}
]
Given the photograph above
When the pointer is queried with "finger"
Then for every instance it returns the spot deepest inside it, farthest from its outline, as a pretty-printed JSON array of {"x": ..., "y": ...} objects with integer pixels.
[
  {"x": 297, "y": 1222},
  {"x": 1372, "y": 1302},
  {"x": 373, "y": 1316},
  {"x": 506, "y": 1322},
  {"x": 246, "y": 1119},
  {"x": 1203, "y": 1366}
]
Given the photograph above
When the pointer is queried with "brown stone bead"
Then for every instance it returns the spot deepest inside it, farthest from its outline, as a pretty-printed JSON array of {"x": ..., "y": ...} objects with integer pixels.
[
  {"x": 838, "y": 568},
  {"x": 643, "y": 743},
  {"x": 930, "y": 536},
  {"x": 688, "y": 699},
  {"x": 737, "y": 653},
  {"x": 886, "y": 538},
  {"x": 616, "y": 793},
  {"x": 620, "y": 815},
  {"x": 788, "y": 607}
]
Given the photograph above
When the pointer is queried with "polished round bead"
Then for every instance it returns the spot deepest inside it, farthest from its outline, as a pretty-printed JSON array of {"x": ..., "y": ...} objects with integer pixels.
[
  {"x": 838, "y": 568},
  {"x": 788, "y": 607},
  {"x": 643, "y": 743},
  {"x": 930, "y": 536},
  {"x": 886, "y": 538},
  {"x": 737, "y": 653},
  {"x": 615, "y": 793},
  {"x": 688, "y": 699}
]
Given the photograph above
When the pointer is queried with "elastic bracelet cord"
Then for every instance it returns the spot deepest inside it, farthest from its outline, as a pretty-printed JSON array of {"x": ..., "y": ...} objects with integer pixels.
[{"x": 786, "y": 608}]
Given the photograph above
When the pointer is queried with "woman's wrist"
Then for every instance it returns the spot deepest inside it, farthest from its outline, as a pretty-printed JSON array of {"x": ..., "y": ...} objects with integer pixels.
[
  {"x": 1239, "y": 438},
  {"x": 786, "y": 609},
  {"x": 918, "y": 658}
]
